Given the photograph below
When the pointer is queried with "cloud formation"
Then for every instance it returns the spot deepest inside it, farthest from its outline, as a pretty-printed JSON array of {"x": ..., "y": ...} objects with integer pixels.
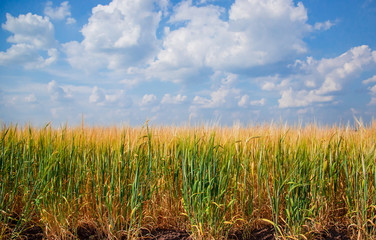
[
  {"x": 318, "y": 80},
  {"x": 32, "y": 37},
  {"x": 372, "y": 88},
  {"x": 256, "y": 33},
  {"x": 178, "y": 99},
  {"x": 118, "y": 35},
  {"x": 107, "y": 98},
  {"x": 97, "y": 95},
  {"x": 57, "y": 93},
  {"x": 148, "y": 99},
  {"x": 59, "y": 13},
  {"x": 222, "y": 95},
  {"x": 203, "y": 59}
]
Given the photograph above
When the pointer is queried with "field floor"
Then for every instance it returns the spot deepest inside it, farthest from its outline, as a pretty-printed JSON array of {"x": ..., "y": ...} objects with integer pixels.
[{"x": 263, "y": 233}]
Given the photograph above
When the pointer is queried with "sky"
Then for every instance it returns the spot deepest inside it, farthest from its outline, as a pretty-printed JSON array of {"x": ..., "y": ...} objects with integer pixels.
[{"x": 178, "y": 62}]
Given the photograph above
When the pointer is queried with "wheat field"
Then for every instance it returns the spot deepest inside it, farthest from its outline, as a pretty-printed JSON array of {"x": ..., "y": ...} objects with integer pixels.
[{"x": 209, "y": 181}]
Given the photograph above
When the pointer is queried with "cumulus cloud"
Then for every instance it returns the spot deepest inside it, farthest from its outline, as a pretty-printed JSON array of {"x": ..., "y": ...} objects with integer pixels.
[
  {"x": 59, "y": 13},
  {"x": 222, "y": 96},
  {"x": 243, "y": 102},
  {"x": 268, "y": 86},
  {"x": 118, "y": 35},
  {"x": 301, "y": 98},
  {"x": 79, "y": 58},
  {"x": 29, "y": 57},
  {"x": 119, "y": 98},
  {"x": 317, "y": 80},
  {"x": 56, "y": 92},
  {"x": 104, "y": 97},
  {"x": 97, "y": 95},
  {"x": 32, "y": 37},
  {"x": 197, "y": 39},
  {"x": 370, "y": 80},
  {"x": 219, "y": 96},
  {"x": 22, "y": 54},
  {"x": 30, "y": 29},
  {"x": 323, "y": 25},
  {"x": 337, "y": 70},
  {"x": 256, "y": 33},
  {"x": 273, "y": 83},
  {"x": 178, "y": 99},
  {"x": 148, "y": 99},
  {"x": 372, "y": 89},
  {"x": 260, "y": 102}
]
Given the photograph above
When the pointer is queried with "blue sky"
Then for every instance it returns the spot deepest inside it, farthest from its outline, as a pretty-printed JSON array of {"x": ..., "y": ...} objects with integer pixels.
[{"x": 203, "y": 61}]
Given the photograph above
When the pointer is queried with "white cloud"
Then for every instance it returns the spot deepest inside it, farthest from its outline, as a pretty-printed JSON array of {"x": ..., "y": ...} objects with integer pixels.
[
  {"x": 27, "y": 56},
  {"x": 226, "y": 78},
  {"x": 30, "y": 29},
  {"x": 337, "y": 70},
  {"x": 102, "y": 97},
  {"x": 301, "y": 98},
  {"x": 59, "y": 13},
  {"x": 71, "y": 20},
  {"x": 273, "y": 83},
  {"x": 19, "y": 54},
  {"x": 268, "y": 86},
  {"x": 373, "y": 89},
  {"x": 148, "y": 99},
  {"x": 218, "y": 98},
  {"x": 370, "y": 80},
  {"x": 33, "y": 36},
  {"x": 97, "y": 95},
  {"x": 118, "y": 35},
  {"x": 253, "y": 9},
  {"x": 114, "y": 97},
  {"x": 373, "y": 95},
  {"x": 168, "y": 99},
  {"x": 243, "y": 102},
  {"x": 53, "y": 55},
  {"x": 163, "y": 4},
  {"x": 79, "y": 58},
  {"x": 323, "y": 25},
  {"x": 317, "y": 80},
  {"x": 222, "y": 96},
  {"x": 257, "y": 33},
  {"x": 119, "y": 98},
  {"x": 260, "y": 102},
  {"x": 197, "y": 40},
  {"x": 56, "y": 92},
  {"x": 201, "y": 100}
]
